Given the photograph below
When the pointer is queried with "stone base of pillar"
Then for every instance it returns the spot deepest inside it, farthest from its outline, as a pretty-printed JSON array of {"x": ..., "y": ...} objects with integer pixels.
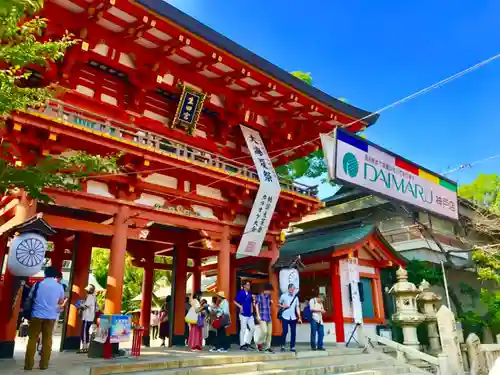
[
  {"x": 6, "y": 349},
  {"x": 276, "y": 341},
  {"x": 178, "y": 340},
  {"x": 146, "y": 341},
  {"x": 72, "y": 343}
]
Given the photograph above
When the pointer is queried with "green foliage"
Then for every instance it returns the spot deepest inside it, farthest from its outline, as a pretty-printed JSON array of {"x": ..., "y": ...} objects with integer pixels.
[
  {"x": 132, "y": 280},
  {"x": 483, "y": 191},
  {"x": 306, "y": 77},
  {"x": 418, "y": 271},
  {"x": 312, "y": 165},
  {"x": 19, "y": 48},
  {"x": 487, "y": 265},
  {"x": 51, "y": 172}
]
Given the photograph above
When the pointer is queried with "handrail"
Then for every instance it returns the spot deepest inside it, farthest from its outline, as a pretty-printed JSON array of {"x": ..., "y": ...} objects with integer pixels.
[
  {"x": 440, "y": 362},
  {"x": 412, "y": 352},
  {"x": 115, "y": 128}
]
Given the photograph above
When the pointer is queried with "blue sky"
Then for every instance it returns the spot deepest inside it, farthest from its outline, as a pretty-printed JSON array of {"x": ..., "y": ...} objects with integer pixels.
[{"x": 376, "y": 52}]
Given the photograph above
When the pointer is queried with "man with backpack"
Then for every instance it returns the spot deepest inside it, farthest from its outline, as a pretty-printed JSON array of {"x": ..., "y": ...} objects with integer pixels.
[
  {"x": 42, "y": 309},
  {"x": 317, "y": 328}
]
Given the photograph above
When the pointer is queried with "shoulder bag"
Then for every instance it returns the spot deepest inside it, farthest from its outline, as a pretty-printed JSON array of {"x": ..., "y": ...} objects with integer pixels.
[
  {"x": 28, "y": 304},
  {"x": 282, "y": 310}
]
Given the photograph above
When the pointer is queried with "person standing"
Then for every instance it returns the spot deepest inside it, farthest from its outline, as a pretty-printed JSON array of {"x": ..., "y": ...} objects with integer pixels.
[
  {"x": 290, "y": 315},
  {"x": 155, "y": 324},
  {"x": 45, "y": 312},
  {"x": 164, "y": 322},
  {"x": 221, "y": 322},
  {"x": 247, "y": 324},
  {"x": 88, "y": 309},
  {"x": 263, "y": 305},
  {"x": 195, "y": 340},
  {"x": 317, "y": 326}
]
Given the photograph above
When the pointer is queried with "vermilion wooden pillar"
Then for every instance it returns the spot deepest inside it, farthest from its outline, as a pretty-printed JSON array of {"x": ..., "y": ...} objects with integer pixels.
[
  {"x": 337, "y": 301},
  {"x": 3, "y": 251},
  {"x": 273, "y": 280},
  {"x": 224, "y": 263},
  {"x": 147, "y": 295},
  {"x": 10, "y": 297},
  {"x": 117, "y": 262},
  {"x": 57, "y": 255},
  {"x": 196, "y": 275},
  {"x": 179, "y": 289},
  {"x": 232, "y": 296},
  {"x": 80, "y": 269}
]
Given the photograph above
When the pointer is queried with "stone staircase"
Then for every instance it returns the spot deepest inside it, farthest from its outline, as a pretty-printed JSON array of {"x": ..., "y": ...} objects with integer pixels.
[{"x": 333, "y": 361}]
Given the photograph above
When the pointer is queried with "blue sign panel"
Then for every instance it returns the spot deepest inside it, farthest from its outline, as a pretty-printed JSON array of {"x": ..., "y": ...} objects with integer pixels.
[{"x": 188, "y": 108}]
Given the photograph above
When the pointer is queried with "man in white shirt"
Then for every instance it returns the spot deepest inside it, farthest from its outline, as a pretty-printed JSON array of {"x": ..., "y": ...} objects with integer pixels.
[
  {"x": 88, "y": 311},
  {"x": 290, "y": 314},
  {"x": 317, "y": 326}
]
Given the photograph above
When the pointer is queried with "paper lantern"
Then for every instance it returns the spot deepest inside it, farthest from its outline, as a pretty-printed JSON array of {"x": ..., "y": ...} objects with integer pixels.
[
  {"x": 289, "y": 276},
  {"x": 26, "y": 254}
]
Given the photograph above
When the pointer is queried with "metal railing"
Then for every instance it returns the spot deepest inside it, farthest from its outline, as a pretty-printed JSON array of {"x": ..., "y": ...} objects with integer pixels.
[{"x": 66, "y": 112}]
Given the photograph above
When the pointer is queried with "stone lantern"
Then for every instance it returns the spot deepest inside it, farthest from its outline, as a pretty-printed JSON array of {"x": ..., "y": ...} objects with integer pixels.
[
  {"x": 406, "y": 315},
  {"x": 428, "y": 301}
]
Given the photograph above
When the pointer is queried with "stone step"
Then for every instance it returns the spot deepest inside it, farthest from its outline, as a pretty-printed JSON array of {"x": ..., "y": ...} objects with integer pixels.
[
  {"x": 332, "y": 363},
  {"x": 331, "y": 356}
]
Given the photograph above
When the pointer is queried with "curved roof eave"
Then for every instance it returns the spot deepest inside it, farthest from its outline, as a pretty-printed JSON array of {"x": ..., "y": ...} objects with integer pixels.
[{"x": 191, "y": 24}]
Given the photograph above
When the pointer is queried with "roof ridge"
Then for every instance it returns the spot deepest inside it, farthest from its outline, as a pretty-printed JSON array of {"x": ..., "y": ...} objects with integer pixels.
[{"x": 328, "y": 228}]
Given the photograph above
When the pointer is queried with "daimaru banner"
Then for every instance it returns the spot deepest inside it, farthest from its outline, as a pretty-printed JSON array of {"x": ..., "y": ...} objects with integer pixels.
[{"x": 353, "y": 160}]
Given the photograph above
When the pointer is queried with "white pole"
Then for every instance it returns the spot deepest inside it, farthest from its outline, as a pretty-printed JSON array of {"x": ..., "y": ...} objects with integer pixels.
[{"x": 446, "y": 285}]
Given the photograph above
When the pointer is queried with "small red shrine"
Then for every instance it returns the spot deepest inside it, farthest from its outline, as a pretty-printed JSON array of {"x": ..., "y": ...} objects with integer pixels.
[{"x": 183, "y": 186}]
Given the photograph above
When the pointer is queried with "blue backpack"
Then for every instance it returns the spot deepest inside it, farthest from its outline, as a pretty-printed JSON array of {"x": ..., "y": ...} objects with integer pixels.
[{"x": 307, "y": 314}]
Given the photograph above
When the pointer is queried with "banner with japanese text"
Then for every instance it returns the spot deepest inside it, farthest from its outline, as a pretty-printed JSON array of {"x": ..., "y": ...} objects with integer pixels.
[
  {"x": 353, "y": 278},
  {"x": 265, "y": 200}
]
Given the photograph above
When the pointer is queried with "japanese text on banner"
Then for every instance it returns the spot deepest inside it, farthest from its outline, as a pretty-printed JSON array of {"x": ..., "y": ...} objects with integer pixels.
[{"x": 266, "y": 199}]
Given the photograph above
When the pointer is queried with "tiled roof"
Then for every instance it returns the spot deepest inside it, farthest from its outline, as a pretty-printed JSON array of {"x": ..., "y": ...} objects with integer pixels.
[
  {"x": 324, "y": 239},
  {"x": 328, "y": 239}
]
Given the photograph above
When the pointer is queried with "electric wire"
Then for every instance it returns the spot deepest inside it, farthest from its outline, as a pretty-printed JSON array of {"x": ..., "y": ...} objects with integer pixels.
[
  {"x": 287, "y": 150},
  {"x": 470, "y": 165}
]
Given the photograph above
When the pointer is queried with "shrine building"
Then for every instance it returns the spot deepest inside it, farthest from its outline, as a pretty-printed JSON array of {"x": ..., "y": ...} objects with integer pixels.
[{"x": 169, "y": 96}]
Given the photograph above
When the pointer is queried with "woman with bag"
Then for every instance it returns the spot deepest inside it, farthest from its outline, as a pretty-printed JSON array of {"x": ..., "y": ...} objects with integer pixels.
[
  {"x": 196, "y": 321},
  {"x": 221, "y": 322},
  {"x": 164, "y": 323}
]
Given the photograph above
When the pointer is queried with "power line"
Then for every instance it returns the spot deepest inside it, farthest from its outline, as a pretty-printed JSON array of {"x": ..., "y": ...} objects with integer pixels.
[
  {"x": 383, "y": 109},
  {"x": 470, "y": 165},
  {"x": 408, "y": 98}
]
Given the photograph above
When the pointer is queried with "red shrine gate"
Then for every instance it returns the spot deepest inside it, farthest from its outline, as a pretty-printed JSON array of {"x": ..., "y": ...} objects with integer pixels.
[{"x": 180, "y": 187}]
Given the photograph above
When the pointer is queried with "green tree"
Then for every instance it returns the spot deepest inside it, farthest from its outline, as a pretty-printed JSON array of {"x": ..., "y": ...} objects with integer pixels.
[
  {"x": 483, "y": 191},
  {"x": 51, "y": 172},
  {"x": 306, "y": 77},
  {"x": 132, "y": 280},
  {"x": 20, "y": 48}
]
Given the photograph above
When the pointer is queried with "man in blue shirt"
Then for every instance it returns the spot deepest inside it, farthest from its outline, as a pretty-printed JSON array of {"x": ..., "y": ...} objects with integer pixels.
[
  {"x": 247, "y": 324},
  {"x": 45, "y": 312}
]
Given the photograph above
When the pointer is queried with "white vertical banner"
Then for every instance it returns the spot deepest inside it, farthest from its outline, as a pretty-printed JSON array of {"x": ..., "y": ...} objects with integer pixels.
[
  {"x": 265, "y": 200},
  {"x": 328, "y": 143},
  {"x": 353, "y": 277}
]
